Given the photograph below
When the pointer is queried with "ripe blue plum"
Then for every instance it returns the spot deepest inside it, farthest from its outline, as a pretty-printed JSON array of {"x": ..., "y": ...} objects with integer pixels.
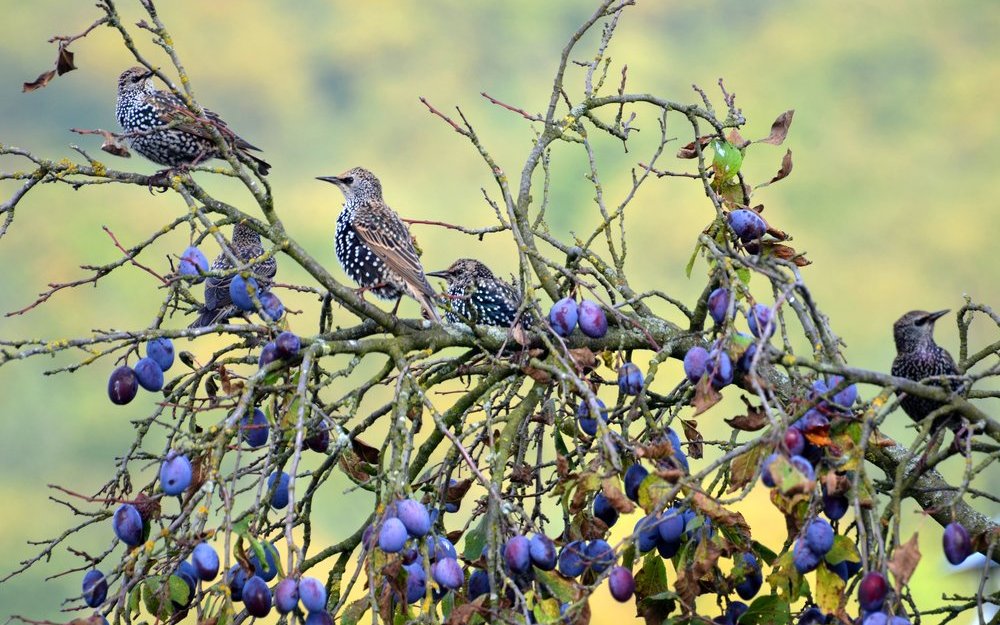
[
  {"x": 193, "y": 262},
  {"x": 312, "y": 594},
  {"x": 720, "y": 368},
  {"x": 571, "y": 559},
  {"x": 835, "y": 506},
  {"x": 149, "y": 374},
  {"x": 257, "y": 597},
  {"x": 269, "y": 568},
  {"x": 517, "y": 554},
  {"x": 241, "y": 291},
  {"x": 593, "y": 322},
  {"x": 747, "y": 225},
  {"x": 122, "y": 385},
  {"x": 127, "y": 524},
  {"x": 416, "y": 582},
  {"x": 319, "y": 439},
  {"x": 448, "y": 573},
  {"x": 162, "y": 352},
  {"x": 956, "y": 542},
  {"x": 268, "y": 354},
  {"x": 872, "y": 591},
  {"x": 765, "y": 471},
  {"x": 95, "y": 588},
  {"x": 600, "y": 555},
  {"x": 543, "y": 552},
  {"x": 286, "y": 595},
  {"x": 279, "y": 482},
  {"x": 254, "y": 428},
  {"x": 759, "y": 320},
  {"x": 272, "y": 306},
  {"x": 718, "y": 304},
  {"x": 319, "y": 618},
  {"x": 630, "y": 379},
  {"x": 414, "y": 516},
  {"x": 392, "y": 536},
  {"x": 587, "y": 423},
  {"x": 288, "y": 344},
  {"x": 819, "y": 536},
  {"x": 648, "y": 534},
  {"x": 695, "y": 361},
  {"x": 604, "y": 511},
  {"x": 634, "y": 476},
  {"x": 175, "y": 474},
  {"x": 441, "y": 547},
  {"x": 803, "y": 466},
  {"x": 804, "y": 558},
  {"x": 671, "y": 524},
  {"x": 679, "y": 458},
  {"x": 621, "y": 583},
  {"x": 205, "y": 561},
  {"x": 752, "y": 578},
  {"x": 479, "y": 584},
  {"x": 795, "y": 442},
  {"x": 236, "y": 578},
  {"x": 563, "y": 316}
]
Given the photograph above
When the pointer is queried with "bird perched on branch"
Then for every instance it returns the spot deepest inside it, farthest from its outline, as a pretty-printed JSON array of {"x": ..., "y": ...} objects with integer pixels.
[
  {"x": 245, "y": 246},
  {"x": 919, "y": 357},
  {"x": 373, "y": 245},
  {"x": 160, "y": 126},
  {"x": 477, "y": 295}
]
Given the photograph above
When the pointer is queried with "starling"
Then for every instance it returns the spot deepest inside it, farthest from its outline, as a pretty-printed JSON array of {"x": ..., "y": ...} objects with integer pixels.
[
  {"x": 245, "y": 246},
  {"x": 478, "y": 296},
  {"x": 919, "y": 357},
  {"x": 160, "y": 126},
  {"x": 373, "y": 245}
]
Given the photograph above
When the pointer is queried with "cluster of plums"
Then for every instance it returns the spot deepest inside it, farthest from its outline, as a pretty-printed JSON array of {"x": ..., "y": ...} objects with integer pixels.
[
  {"x": 193, "y": 265},
  {"x": 566, "y": 314},
  {"x": 124, "y": 383}
]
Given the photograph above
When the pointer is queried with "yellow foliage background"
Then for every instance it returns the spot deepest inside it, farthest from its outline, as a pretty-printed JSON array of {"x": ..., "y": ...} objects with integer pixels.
[{"x": 892, "y": 196}]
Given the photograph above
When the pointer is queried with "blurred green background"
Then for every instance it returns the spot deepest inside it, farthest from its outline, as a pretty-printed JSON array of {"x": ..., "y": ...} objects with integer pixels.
[{"x": 895, "y": 150}]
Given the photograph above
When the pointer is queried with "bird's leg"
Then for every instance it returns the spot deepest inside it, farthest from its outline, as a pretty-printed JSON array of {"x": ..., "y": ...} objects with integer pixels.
[
  {"x": 396, "y": 307},
  {"x": 160, "y": 179}
]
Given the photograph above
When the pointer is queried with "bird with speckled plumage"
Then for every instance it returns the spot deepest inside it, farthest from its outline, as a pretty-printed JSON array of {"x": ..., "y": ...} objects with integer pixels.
[
  {"x": 159, "y": 126},
  {"x": 374, "y": 246},
  {"x": 918, "y": 357},
  {"x": 245, "y": 246},
  {"x": 476, "y": 295}
]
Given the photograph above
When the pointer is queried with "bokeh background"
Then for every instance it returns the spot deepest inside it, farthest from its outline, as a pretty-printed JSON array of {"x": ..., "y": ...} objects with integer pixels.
[{"x": 893, "y": 194}]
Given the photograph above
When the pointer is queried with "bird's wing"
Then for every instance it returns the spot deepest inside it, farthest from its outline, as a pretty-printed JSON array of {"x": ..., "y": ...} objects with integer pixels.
[
  {"x": 177, "y": 113},
  {"x": 386, "y": 234}
]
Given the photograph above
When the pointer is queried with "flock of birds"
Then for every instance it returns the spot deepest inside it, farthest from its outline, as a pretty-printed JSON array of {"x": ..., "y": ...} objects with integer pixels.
[
  {"x": 372, "y": 243},
  {"x": 376, "y": 250}
]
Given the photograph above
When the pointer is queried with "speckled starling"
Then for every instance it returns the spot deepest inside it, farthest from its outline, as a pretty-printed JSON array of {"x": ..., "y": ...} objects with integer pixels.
[
  {"x": 919, "y": 357},
  {"x": 245, "y": 246},
  {"x": 160, "y": 126},
  {"x": 476, "y": 295},
  {"x": 373, "y": 245}
]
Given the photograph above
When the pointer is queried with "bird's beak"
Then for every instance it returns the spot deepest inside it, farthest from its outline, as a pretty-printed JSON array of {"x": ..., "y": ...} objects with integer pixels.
[
  {"x": 331, "y": 179},
  {"x": 444, "y": 273},
  {"x": 934, "y": 316}
]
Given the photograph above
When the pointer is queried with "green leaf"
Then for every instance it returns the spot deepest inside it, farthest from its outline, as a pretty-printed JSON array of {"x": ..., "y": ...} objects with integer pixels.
[
  {"x": 562, "y": 589},
  {"x": 178, "y": 589},
  {"x": 242, "y": 528},
  {"x": 475, "y": 540},
  {"x": 829, "y": 589},
  {"x": 133, "y": 600},
  {"x": 843, "y": 549},
  {"x": 226, "y": 614},
  {"x": 767, "y": 610},
  {"x": 561, "y": 448},
  {"x": 743, "y": 273},
  {"x": 785, "y": 580},
  {"x": 546, "y": 610},
  {"x": 694, "y": 256},
  {"x": 651, "y": 580},
  {"x": 764, "y": 553},
  {"x": 653, "y": 491},
  {"x": 354, "y": 611},
  {"x": 153, "y": 593},
  {"x": 447, "y": 604}
]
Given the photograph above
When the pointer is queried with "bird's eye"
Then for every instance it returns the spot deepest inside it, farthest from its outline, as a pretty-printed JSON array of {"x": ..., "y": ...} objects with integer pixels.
[
  {"x": 348, "y": 179},
  {"x": 920, "y": 321}
]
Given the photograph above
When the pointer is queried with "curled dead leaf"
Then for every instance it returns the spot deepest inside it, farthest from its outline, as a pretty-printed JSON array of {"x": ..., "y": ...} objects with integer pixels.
[
  {"x": 755, "y": 419},
  {"x": 365, "y": 451},
  {"x": 538, "y": 375},
  {"x": 694, "y": 437},
  {"x": 64, "y": 62},
  {"x": 737, "y": 139},
  {"x": 689, "y": 150},
  {"x": 112, "y": 146},
  {"x": 583, "y": 358},
  {"x": 616, "y": 497},
  {"x": 704, "y": 396},
  {"x": 42, "y": 80},
  {"x": 779, "y": 129},
  {"x": 904, "y": 561}
]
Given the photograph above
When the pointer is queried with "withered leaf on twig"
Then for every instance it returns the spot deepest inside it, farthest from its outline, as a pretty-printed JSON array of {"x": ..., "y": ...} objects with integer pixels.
[
  {"x": 38, "y": 83},
  {"x": 583, "y": 358},
  {"x": 616, "y": 497},
  {"x": 753, "y": 420},
  {"x": 694, "y": 437},
  {"x": 779, "y": 129},
  {"x": 64, "y": 63},
  {"x": 904, "y": 561},
  {"x": 689, "y": 151},
  {"x": 737, "y": 139},
  {"x": 783, "y": 171},
  {"x": 786, "y": 252},
  {"x": 704, "y": 396},
  {"x": 111, "y": 145},
  {"x": 365, "y": 451}
]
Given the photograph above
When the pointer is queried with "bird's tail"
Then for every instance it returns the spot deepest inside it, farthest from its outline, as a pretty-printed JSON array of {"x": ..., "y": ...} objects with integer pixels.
[
  {"x": 427, "y": 298},
  {"x": 262, "y": 165},
  {"x": 208, "y": 317}
]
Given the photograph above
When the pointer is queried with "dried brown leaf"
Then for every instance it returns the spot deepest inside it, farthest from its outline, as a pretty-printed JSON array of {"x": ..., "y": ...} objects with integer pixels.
[
  {"x": 462, "y": 614},
  {"x": 755, "y": 419},
  {"x": 704, "y": 396},
  {"x": 64, "y": 62},
  {"x": 694, "y": 437},
  {"x": 455, "y": 492},
  {"x": 38, "y": 83},
  {"x": 779, "y": 129},
  {"x": 454, "y": 536},
  {"x": 112, "y": 146},
  {"x": 616, "y": 497},
  {"x": 904, "y": 561},
  {"x": 522, "y": 474},
  {"x": 562, "y": 466},
  {"x": 583, "y": 358},
  {"x": 520, "y": 336},
  {"x": 737, "y": 139},
  {"x": 365, "y": 451},
  {"x": 538, "y": 375},
  {"x": 743, "y": 468},
  {"x": 720, "y": 516},
  {"x": 689, "y": 151}
]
